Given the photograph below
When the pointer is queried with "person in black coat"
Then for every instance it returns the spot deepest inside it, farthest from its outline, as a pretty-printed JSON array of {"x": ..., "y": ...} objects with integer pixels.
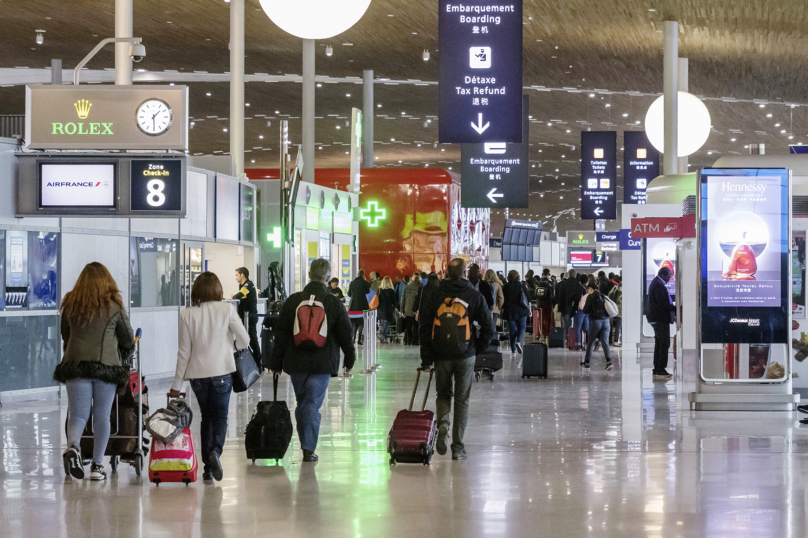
[
  {"x": 387, "y": 306},
  {"x": 335, "y": 290},
  {"x": 661, "y": 314},
  {"x": 516, "y": 309},
  {"x": 485, "y": 289},
  {"x": 568, "y": 293},
  {"x": 311, "y": 370},
  {"x": 358, "y": 292}
]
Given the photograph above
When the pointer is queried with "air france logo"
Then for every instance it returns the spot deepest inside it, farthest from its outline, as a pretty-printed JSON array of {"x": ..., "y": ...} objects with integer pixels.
[{"x": 77, "y": 184}]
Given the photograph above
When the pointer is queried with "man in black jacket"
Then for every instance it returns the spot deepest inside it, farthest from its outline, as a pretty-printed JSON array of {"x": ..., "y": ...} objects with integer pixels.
[
  {"x": 358, "y": 292},
  {"x": 477, "y": 282},
  {"x": 454, "y": 369},
  {"x": 568, "y": 293},
  {"x": 311, "y": 370},
  {"x": 661, "y": 313}
]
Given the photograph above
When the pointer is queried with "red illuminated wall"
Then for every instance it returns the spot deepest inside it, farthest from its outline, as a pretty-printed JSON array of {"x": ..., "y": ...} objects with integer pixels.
[{"x": 424, "y": 226}]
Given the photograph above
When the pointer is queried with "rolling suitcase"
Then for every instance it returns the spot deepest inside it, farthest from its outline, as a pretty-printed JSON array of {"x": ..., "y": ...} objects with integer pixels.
[
  {"x": 536, "y": 322},
  {"x": 488, "y": 362},
  {"x": 571, "y": 339},
  {"x": 270, "y": 429},
  {"x": 534, "y": 361},
  {"x": 412, "y": 437},
  {"x": 175, "y": 461},
  {"x": 556, "y": 337},
  {"x": 268, "y": 338}
]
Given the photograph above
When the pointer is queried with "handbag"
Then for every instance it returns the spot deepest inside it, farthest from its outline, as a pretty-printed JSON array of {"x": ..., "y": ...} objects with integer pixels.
[
  {"x": 611, "y": 307},
  {"x": 373, "y": 300},
  {"x": 246, "y": 372}
]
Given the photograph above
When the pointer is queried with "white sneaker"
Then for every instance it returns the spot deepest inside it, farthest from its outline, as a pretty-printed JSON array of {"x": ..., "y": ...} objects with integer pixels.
[
  {"x": 97, "y": 472},
  {"x": 519, "y": 348}
]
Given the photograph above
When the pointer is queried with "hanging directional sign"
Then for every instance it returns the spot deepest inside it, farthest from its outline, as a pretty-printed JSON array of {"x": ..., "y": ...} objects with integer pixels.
[
  {"x": 598, "y": 175},
  {"x": 640, "y": 166},
  {"x": 496, "y": 174},
  {"x": 480, "y": 45}
]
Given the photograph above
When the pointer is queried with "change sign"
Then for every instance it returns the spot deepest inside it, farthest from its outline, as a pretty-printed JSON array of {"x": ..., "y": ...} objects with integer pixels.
[
  {"x": 640, "y": 166},
  {"x": 496, "y": 174},
  {"x": 598, "y": 175},
  {"x": 480, "y": 70}
]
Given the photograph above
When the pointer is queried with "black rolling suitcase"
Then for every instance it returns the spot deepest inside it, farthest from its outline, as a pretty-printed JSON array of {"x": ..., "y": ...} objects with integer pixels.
[
  {"x": 534, "y": 361},
  {"x": 557, "y": 337},
  {"x": 270, "y": 429},
  {"x": 488, "y": 363},
  {"x": 268, "y": 338}
]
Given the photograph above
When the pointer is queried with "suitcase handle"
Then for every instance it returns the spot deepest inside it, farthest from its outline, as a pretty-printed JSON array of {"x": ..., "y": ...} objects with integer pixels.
[
  {"x": 168, "y": 397},
  {"x": 415, "y": 389},
  {"x": 275, "y": 378}
]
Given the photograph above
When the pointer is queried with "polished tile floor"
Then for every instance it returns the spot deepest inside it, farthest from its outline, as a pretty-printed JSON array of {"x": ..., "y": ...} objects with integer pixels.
[{"x": 580, "y": 454}]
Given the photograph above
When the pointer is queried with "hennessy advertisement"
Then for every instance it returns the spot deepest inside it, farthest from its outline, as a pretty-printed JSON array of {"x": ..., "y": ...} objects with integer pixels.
[{"x": 745, "y": 251}]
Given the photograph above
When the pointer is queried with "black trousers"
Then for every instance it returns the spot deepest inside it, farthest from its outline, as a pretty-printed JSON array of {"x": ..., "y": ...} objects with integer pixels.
[
  {"x": 410, "y": 330},
  {"x": 662, "y": 343},
  {"x": 617, "y": 325},
  {"x": 255, "y": 347},
  {"x": 357, "y": 326}
]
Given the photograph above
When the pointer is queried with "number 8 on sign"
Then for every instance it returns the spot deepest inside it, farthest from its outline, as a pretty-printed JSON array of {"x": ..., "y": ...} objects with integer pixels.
[{"x": 156, "y": 198}]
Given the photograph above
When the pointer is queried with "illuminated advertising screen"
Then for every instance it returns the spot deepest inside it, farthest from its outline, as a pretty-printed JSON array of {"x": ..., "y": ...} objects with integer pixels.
[
  {"x": 77, "y": 185},
  {"x": 659, "y": 253},
  {"x": 581, "y": 257},
  {"x": 745, "y": 250}
]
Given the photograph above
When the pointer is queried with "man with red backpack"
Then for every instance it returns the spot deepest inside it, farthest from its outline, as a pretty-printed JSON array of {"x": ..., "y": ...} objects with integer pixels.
[
  {"x": 455, "y": 325},
  {"x": 312, "y": 328}
]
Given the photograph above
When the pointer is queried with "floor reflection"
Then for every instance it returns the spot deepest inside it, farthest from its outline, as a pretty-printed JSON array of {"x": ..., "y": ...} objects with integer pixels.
[{"x": 582, "y": 453}]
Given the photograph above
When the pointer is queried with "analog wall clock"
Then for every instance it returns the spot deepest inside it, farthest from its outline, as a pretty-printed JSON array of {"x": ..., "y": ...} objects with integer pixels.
[{"x": 154, "y": 117}]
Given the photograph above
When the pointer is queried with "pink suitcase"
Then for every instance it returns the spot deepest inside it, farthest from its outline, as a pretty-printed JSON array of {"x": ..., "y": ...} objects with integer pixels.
[
  {"x": 412, "y": 437},
  {"x": 181, "y": 449}
]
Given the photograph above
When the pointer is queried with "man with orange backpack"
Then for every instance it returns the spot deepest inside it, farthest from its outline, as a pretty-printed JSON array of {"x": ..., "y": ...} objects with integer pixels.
[
  {"x": 312, "y": 328},
  {"x": 455, "y": 325}
]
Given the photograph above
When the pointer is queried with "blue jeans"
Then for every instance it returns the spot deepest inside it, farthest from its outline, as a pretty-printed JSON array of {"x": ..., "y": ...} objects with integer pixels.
[
  {"x": 309, "y": 393},
  {"x": 83, "y": 397},
  {"x": 213, "y": 396},
  {"x": 517, "y": 331},
  {"x": 580, "y": 324},
  {"x": 385, "y": 328},
  {"x": 599, "y": 330}
]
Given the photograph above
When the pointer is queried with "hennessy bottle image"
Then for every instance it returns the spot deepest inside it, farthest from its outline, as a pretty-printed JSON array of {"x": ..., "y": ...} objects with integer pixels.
[{"x": 743, "y": 264}]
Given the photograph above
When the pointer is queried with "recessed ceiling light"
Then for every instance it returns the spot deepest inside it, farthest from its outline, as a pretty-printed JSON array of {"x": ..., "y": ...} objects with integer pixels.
[
  {"x": 225, "y": 129},
  {"x": 252, "y": 161},
  {"x": 732, "y": 140},
  {"x": 549, "y": 125},
  {"x": 782, "y": 131},
  {"x": 338, "y": 127},
  {"x": 261, "y": 137},
  {"x": 208, "y": 94},
  {"x": 319, "y": 84},
  {"x": 769, "y": 115},
  {"x": 625, "y": 115},
  {"x": 591, "y": 95},
  {"x": 277, "y": 112},
  {"x": 762, "y": 106},
  {"x": 378, "y": 105},
  {"x": 777, "y": 125},
  {"x": 246, "y": 104},
  {"x": 347, "y": 95}
]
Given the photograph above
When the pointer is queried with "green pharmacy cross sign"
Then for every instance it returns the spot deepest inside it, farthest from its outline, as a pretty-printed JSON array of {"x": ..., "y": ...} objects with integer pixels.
[
  {"x": 373, "y": 214},
  {"x": 275, "y": 237}
]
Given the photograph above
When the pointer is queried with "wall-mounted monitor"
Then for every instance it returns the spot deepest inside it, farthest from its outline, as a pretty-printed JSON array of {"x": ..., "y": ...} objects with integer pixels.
[
  {"x": 580, "y": 257},
  {"x": 77, "y": 185}
]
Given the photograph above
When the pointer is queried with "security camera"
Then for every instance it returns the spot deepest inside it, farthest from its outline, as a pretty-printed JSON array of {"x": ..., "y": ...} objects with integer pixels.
[{"x": 137, "y": 51}]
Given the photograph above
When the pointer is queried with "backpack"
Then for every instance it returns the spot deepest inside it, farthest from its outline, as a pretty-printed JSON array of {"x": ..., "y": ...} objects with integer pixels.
[
  {"x": 311, "y": 325},
  {"x": 451, "y": 330},
  {"x": 544, "y": 291}
]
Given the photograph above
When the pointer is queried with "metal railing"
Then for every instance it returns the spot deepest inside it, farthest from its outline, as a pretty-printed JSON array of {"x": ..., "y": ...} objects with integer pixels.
[{"x": 369, "y": 349}]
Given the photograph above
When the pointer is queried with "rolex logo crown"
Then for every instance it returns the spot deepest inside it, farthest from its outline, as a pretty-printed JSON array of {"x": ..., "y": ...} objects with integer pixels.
[
  {"x": 580, "y": 236},
  {"x": 83, "y": 108}
]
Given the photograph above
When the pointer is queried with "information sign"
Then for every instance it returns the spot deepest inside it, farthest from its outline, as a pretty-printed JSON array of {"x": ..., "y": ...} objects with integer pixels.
[
  {"x": 156, "y": 185},
  {"x": 598, "y": 175},
  {"x": 480, "y": 44},
  {"x": 640, "y": 166},
  {"x": 496, "y": 174}
]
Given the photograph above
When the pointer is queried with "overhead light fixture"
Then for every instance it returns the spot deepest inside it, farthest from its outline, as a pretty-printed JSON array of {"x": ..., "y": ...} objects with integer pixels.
[
  {"x": 329, "y": 50},
  {"x": 40, "y": 38},
  {"x": 426, "y": 55},
  {"x": 320, "y": 19}
]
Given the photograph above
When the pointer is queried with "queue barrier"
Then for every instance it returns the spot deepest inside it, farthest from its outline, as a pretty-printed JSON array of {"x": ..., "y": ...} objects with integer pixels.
[{"x": 368, "y": 317}]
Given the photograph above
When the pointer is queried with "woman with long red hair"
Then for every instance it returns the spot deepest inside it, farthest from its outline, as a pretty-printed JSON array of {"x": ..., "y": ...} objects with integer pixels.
[{"x": 96, "y": 332}]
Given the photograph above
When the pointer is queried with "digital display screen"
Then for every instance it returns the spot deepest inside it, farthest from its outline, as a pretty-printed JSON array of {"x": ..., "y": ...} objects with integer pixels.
[
  {"x": 640, "y": 166},
  {"x": 156, "y": 185},
  {"x": 745, "y": 255},
  {"x": 581, "y": 257},
  {"x": 659, "y": 253},
  {"x": 77, "y": 185},
  {"x": 598, "y": 175}
]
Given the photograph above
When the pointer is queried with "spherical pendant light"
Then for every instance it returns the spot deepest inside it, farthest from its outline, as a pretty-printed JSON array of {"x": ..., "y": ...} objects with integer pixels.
[
  {"x": 315, "y": 19},
  {"x": 694, "y": 124}
]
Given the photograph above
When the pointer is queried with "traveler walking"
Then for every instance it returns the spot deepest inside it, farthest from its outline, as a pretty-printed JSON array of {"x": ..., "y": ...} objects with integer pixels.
[
  {"x": 407, "y": 308},
  {"x": 616, "y": 295},
  {"x": 96, "y": 332},
  {"x": 544, "y": 302},
  {"x": 309, "y": 358},
  {"x": 401, "y": 283},
  {"x": 599, "y": 326},
  {"x": 248, "y": 305},
  {"x": 335, "y": 290},
  {"x": 358, "y": 292},
  {"x": 375, "y": 281},
  {"x": 661, "y": 314},
  {"x": 207, "y": 331},
  {"x": 449, "y": 344},
  {"x": 387, "y": 307},
  {"x": 516, "y": 309},
  {"x": 499, "y": 298},
  {"x": 581, "y": 320},
  {"x": 568, "y": 293}
]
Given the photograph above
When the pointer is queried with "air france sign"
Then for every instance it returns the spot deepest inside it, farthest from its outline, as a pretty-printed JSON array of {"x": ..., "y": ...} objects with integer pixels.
[{"x": 480, "y": 44}]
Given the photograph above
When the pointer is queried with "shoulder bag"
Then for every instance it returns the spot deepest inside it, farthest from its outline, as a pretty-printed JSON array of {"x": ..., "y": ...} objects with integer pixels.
[{"x": 247, "y": 371}]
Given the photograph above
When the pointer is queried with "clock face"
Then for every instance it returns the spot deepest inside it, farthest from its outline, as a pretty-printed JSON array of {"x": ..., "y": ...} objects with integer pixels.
[{"x": 154, "y": 117}]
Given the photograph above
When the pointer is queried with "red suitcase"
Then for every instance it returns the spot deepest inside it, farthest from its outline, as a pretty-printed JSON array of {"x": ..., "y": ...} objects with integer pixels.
[{"x": 412, "y": 437}]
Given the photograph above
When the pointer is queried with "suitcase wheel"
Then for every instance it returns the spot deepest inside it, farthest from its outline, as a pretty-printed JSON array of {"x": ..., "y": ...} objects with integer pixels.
[{"x": 186, "y": 481}]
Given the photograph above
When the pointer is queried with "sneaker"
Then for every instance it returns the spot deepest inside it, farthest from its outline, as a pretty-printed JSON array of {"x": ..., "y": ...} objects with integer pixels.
[
  {"x": 519, "y": 348},
  {"x": 585, "y": 365},
  {"x": 443, "y": 432},
  {"x": 460, "y": 454},
  {"x": 309, "y": 456},
  {"x": 207, "y": 478},
  {"x": 609, "y": 365},
  {"x": 72, "y": 463},
  {"x": 97, "y": 472},
  {"x": 215, "y": 466}
]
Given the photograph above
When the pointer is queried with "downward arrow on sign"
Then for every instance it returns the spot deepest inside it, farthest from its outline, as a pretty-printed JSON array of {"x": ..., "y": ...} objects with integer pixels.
[{"x": 480, "y": 128}]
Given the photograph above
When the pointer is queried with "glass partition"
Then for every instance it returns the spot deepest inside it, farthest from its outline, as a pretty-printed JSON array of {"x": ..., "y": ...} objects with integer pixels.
[
  {"x": 154, "y": 264},
  {"x": 30, "y": 351}
]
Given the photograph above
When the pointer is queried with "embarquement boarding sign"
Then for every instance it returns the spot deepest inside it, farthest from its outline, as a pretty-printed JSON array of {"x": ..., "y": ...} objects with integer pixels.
[
  {"x": 598, "y": 175},
  {"x": 480, "y": 71}
]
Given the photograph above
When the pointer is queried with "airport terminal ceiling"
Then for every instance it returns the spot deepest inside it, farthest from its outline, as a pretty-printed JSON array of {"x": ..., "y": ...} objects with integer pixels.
[{"x": 603, "y": 66}]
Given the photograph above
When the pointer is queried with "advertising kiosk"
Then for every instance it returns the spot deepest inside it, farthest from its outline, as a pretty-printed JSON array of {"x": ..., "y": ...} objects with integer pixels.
[{"x": 744, "y": 275}]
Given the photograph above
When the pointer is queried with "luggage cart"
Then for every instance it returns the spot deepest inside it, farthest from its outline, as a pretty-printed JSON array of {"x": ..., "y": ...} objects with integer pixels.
[{"x": 123, "y": 446}]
